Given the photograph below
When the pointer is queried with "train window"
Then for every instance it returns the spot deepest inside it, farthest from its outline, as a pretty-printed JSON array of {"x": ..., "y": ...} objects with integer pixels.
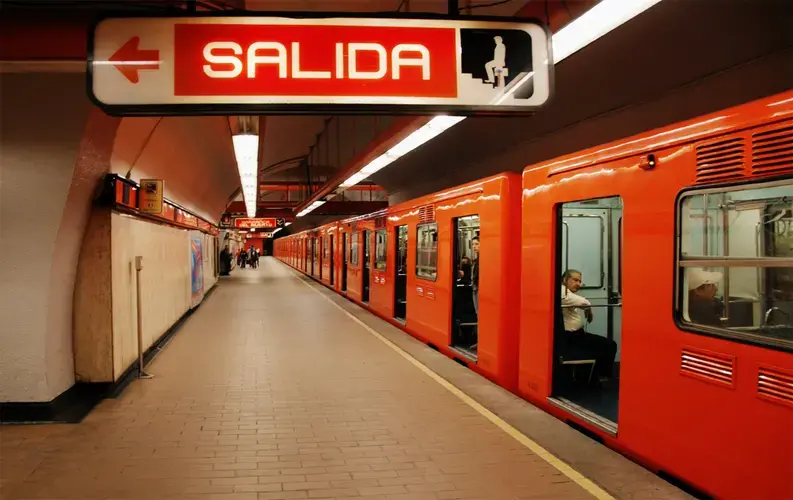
[
  {"x": 735, "y": 274},
  {"x": 380, "y": 249},
  {"x": 427, "y": 251},
  {"x": 354, "y": 249},
  {"x": 325, "y": 248}
]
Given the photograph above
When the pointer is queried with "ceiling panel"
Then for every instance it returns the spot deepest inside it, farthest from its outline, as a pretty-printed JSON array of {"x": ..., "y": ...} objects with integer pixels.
[
  {"x": 679, "y": 60},
  {"x": 507, "y": 8},
  {"x": 286, "y": 137}
]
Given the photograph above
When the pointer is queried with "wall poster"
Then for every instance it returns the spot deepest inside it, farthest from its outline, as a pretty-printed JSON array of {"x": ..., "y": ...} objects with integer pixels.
[{"x": 196, "y": 268}]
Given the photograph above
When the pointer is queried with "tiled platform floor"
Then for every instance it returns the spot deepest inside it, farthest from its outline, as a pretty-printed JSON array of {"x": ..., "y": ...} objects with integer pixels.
[{"x": 269, "y": 391}]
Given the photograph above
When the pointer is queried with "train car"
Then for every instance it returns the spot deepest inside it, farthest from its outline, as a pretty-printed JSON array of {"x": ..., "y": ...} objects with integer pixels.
[
  {"x": 674, "y": 248},
  {"x": 327, "y": 244},
  {"x": 413, "y": 265}
]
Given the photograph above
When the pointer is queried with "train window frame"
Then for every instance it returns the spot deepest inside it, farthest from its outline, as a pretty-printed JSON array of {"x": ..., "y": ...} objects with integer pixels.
[
  {"x": 354, "y": 248},
  {"x": 418, "y": 272},
  {"x": 380, "y": 264},
  {"x": 681, "y": 263}
]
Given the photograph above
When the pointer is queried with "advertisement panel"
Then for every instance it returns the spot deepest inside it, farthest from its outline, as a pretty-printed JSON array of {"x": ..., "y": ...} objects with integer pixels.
[{"x": 196, "y": 267}]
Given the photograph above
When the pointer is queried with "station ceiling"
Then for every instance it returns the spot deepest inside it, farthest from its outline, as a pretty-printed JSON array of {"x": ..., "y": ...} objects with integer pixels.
[{"x": 677, "y": 60}]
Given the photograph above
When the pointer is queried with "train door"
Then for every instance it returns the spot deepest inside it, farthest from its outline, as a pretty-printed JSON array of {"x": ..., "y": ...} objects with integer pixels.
[
  {"x": 366, "y": 267},
  {"x": 401, "y": 273},
  {"x": 589, "y": 320},
  {"x": 322, "y": 257},
  {"x": 464, "y": 334},
  {"x": 329, "y": 252},
  {"x": 344, "y": 245}
]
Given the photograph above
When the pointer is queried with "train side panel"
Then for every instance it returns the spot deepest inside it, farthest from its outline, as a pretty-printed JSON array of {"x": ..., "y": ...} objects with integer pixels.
[{"x": 711, "y": 427}]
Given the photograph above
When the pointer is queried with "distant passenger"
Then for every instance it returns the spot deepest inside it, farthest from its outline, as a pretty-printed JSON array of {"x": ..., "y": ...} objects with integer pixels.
[
  {"x": 475, "y": 273},
  {"x": 225, "y": 261},
  {"x": 703, "y": 307},
  {"x": 577, "y": 343},
  {"x": 499, "y": 59}
]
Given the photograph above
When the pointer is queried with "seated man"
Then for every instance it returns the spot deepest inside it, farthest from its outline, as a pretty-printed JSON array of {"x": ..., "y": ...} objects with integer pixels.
[
  {"x": 578, "y": 344},
  {"x": 703, "y": 307}
]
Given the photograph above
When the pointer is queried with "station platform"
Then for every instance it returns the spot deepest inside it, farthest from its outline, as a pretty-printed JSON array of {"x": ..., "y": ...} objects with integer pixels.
[{"x": 277, "y": 388}]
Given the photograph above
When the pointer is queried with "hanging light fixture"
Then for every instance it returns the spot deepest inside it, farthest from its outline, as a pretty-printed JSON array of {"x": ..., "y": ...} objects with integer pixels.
[{"x": 246, "y": 151}]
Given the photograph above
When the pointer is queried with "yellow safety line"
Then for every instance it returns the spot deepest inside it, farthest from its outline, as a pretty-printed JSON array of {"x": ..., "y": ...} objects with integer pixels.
[{"x": 595, "y": 490}]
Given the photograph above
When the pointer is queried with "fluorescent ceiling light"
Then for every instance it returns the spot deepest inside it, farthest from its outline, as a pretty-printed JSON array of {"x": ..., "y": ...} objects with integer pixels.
[
  {"x": 246, "y": 150},
  {"x": 311, "y": 207},
  {"x": 593, "y": 24}
]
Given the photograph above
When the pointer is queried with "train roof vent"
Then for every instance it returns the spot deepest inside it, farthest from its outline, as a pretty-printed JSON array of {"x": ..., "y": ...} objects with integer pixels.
[
  {"x": 427, "y": 213},
  {"x": 708, "y": 366},
  {"x": 721, "y": 159},
  {"x": 774, "y": 384},
  {"x": 772, "y": 149}
]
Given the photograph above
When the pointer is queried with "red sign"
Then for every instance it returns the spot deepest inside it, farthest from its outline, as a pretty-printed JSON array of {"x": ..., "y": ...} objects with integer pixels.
[
  {"x": 314, "y": 61},
  {"x": 189, "y": 65},
  {"x": 258, "y": 236},
  {"x": 245, "y": 223}
]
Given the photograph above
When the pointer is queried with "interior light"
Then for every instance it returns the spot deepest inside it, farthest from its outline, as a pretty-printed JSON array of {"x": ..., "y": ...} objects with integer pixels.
[
  {"x": 246, "y": 151},
  {"x": 593, "y": 24}
]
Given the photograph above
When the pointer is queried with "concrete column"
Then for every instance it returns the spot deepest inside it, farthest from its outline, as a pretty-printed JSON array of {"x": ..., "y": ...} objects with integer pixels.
[{"x": 54, "y": 148}]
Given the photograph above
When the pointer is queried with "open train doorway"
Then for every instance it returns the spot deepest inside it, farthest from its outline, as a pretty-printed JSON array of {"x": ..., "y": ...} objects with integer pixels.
[
  {"x": 345, "y": 243},
  {"x": 401, "y": 273},
  {"x": 367, "y": 266},
  {"x": 332, "y": 257},
  {"x": 589, "y": 321},
  {"x": 465, "y": 317}
]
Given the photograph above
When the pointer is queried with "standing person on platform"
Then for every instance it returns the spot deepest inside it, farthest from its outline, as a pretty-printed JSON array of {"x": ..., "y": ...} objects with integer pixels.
[{"x": 225, "y": 261}]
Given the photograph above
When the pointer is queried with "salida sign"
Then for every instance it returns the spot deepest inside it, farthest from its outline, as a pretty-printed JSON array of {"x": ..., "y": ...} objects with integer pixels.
[
  {"x": 246, "y": 223},
  {"x": 242, "y": 65}
]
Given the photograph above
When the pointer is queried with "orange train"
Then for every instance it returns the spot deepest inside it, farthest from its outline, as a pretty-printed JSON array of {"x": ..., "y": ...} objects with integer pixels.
[{"x": 683, "y": 238}]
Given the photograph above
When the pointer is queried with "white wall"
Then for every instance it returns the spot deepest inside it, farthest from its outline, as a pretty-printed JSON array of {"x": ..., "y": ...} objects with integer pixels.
[
  {"x": 165, "y": 282},
  {"x": 43, "y": 214}
]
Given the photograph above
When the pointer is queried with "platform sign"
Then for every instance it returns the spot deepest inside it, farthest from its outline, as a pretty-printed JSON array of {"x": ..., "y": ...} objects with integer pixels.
[
  {"x": 261, "y": 223},
  {"x": 150, "y": 196},
  {"x": 263, "y": 64}
]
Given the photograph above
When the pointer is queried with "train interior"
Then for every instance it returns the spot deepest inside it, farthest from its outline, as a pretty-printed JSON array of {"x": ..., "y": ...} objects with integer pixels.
[
  {"x": 401, "y": 278},
  {"x": 741, "y": 241},
  {"x": 344, "y": 261},
  {"x": 585, "y": 381},
  {"x": 332, "y": 259},
  {"x": 367, "y": 264},
  {"x": 380, "y": 249},
  {"x": 465, "y": 332}
]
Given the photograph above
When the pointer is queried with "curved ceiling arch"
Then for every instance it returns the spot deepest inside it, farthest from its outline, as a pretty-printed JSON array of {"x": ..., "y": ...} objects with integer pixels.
[{"x": 193, "y": 155}]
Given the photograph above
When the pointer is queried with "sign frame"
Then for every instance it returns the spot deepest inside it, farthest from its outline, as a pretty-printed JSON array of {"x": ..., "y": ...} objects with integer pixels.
[
  {"x": 156, "y": 199},
  {"x": 236, "y": 109},
  {"x": 239, "y": 224}
]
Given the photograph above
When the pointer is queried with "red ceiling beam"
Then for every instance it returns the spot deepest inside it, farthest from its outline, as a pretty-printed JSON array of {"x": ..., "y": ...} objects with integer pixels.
[
  {"x": 50, "y": 34},
  {"x": 295, "y": 186},
  {"x": 402, "y": 127},
  {"x": 556, "y": 13},
  {"x": 349, "y": 207}
]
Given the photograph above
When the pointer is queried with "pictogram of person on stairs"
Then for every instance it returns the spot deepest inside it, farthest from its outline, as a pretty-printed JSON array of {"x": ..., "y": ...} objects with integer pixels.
[{"x": 498, "y": 63}]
